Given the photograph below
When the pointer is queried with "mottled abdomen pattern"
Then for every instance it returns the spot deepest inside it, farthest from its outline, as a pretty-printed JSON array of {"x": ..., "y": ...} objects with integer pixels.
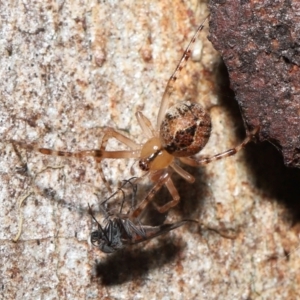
[{"x": 185, "y": 129}]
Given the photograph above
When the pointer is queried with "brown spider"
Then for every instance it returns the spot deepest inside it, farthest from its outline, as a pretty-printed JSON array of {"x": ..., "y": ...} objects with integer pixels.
[
  {"x": 121, "y": 230},
  {"x": 181, "y": 132}
]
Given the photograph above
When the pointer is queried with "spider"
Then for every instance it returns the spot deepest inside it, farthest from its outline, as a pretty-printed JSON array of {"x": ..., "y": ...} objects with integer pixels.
[
  {"x": 181, "y": 131},
  {"x": 122, "y": 229}
]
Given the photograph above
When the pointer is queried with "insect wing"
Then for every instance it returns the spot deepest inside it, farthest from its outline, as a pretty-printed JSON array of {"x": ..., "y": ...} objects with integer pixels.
[{"x": 142, "y": 233}]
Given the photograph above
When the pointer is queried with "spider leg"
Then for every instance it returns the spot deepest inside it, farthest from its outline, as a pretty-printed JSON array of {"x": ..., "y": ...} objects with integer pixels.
[
  {"x": 184, "y": 174},
  {"x": 111, "y": 133},
  {"x": 140, "y": 208},
  {"x": 194, "y": 162},
  {"x": 163, "y": 179},
  {"x": 170, "y": 85},
  {"x": 174, "y": 193},
  {"x": 145, "y": 124},
  {"x": 96, "y": 153},
  {"x": 104, "y": 180}
]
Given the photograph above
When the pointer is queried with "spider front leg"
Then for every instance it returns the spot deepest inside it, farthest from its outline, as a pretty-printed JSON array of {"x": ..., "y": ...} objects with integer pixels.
[
  {"x": 170, "y": 85},
  {"x": 112, "y": 133},
  {"x": 174, "y": 193},
  {"x": 163, "y": 179},
  {"x": 194, "y": 162},
  {"x": 103, "y": 153},
  {"x": 98, "y": 154}
]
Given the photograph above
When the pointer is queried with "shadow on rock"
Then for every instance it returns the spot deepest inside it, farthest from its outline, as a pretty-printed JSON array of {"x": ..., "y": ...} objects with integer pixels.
[{"x": 135, "y": 263}]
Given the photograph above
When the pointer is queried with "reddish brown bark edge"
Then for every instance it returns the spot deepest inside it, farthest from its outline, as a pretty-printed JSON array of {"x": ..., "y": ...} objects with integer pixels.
[{"x": 260, "y": 45}]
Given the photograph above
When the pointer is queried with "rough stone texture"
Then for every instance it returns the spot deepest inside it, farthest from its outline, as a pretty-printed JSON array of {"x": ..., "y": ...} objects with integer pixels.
[
  {"x": 260, "y": 44},
  {"x": 67, "y": 69}
]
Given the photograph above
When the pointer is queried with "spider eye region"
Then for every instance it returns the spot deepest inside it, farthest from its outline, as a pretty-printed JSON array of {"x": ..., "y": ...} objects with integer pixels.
[
  {"x": 185, "y": 129},
  {"x": 153, "y": 156}
]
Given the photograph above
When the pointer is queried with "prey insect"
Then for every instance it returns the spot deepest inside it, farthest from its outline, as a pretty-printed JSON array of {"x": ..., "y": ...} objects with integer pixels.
[
  {"x": 121, "y": 230},
  {"x": 181, "y": 132}
]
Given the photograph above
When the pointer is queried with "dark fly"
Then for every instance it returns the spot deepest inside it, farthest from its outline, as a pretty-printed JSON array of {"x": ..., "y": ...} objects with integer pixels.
[{"x": 122, "y": 229}]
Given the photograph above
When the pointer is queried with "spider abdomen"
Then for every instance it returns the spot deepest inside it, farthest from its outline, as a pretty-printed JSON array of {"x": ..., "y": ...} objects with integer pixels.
[{"x": 185, "y": 129}]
